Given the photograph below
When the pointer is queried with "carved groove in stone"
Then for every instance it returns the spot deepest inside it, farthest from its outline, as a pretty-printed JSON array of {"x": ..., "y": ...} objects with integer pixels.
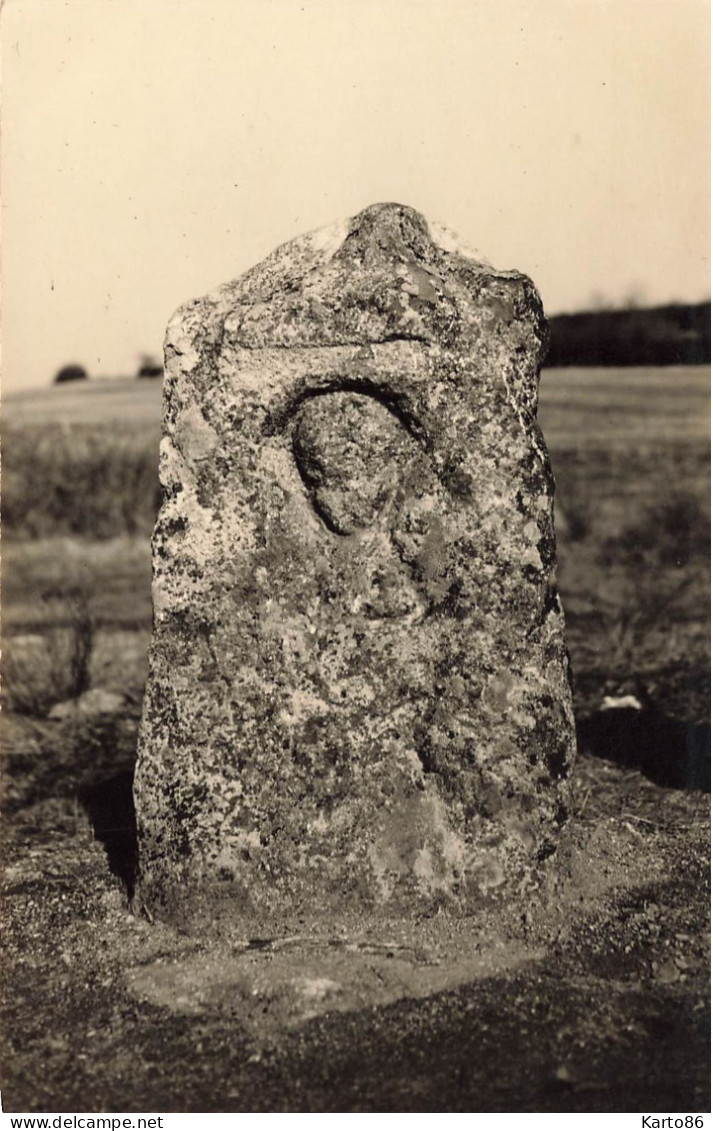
[{"x": 280, "y": 416}]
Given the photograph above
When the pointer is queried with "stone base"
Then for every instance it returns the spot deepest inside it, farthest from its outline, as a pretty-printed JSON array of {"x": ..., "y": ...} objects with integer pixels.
[{"x": 275, "y": 984}]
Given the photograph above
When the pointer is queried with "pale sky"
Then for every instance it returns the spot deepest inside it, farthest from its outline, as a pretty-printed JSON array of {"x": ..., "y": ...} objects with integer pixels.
[{"x": 153, "y": 149}]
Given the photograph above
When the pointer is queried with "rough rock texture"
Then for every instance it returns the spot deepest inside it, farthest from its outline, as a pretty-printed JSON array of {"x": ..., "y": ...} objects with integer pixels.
[{"x": 358, "y": 693}]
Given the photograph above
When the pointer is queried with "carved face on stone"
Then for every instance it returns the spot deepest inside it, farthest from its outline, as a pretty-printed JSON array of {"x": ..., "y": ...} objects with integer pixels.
[
  {"x": 361, "y": 467},
  {"x": 350, "y": 450}
]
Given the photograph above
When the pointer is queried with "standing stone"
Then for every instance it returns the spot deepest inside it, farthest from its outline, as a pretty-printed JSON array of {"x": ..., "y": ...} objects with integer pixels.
[{"x": 358, "y": 693}]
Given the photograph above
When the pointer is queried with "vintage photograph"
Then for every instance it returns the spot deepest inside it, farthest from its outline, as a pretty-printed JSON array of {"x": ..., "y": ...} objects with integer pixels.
[{"x": 355, "y": 585}]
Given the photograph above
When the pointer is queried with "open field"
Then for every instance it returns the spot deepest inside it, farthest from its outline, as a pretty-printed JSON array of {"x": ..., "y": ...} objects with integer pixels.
[
  {"x": 588, "y": 405},
  {"x": 605, "y": 1008},
  {"x": 630, "y": 450},
  {"x": 641, "y": 427}
]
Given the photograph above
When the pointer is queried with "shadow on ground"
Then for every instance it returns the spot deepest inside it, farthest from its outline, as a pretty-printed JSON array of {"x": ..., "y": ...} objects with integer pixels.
[
  {"x": 603, "y": 1008},
  {"x": 109, "y": 804},
  {"x": 672, "y": 754}
]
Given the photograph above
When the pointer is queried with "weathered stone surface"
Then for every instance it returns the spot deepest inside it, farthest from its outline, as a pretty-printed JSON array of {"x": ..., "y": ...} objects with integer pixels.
[{"x": 358, "y": 691}]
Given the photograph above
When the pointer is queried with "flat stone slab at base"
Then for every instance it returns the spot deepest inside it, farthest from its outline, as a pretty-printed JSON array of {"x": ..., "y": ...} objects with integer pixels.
[
  {"x": 613, "y": 1018},
  {"x": 274, "y": 984}
]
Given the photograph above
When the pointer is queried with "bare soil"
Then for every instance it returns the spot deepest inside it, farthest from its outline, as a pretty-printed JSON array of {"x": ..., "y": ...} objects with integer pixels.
[{"x": 588, "y": 993}]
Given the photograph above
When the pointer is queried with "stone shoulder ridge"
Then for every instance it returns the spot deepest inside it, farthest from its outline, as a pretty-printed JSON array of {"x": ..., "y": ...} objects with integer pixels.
[
  {"x": 378, "y": 231},
  {"x": 447, "y": 239}
]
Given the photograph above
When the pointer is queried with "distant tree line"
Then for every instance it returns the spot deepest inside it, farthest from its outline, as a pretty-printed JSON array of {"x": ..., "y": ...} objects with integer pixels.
[
  {"x": 148, "y": 367},
  {"x": 70, "y": 373},
  {"x": 661, "y": 335}
]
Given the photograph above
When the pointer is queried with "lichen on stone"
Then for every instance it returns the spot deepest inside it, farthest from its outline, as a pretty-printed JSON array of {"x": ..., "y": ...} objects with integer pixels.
[{"x": 358, "y": 689}]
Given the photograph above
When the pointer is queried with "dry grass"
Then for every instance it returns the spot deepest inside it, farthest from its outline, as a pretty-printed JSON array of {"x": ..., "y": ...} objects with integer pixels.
[
  {"x": 40, "y": 670},
  {"x": 90, "y": 482},
  {"x": 623, "y": 984},
  {"x": 631, "y": 458}
]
